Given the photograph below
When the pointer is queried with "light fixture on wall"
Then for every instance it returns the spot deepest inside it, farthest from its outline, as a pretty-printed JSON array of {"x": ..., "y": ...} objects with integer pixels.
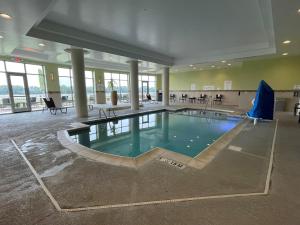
[
  {"x": 51, "y": 75},
  {"x": 5, "y": 16},
  {"x": 286, "y": 42}
]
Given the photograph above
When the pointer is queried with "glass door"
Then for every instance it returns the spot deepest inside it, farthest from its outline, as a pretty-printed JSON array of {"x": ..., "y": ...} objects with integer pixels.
[
  {"x": 18, "y": 91},
  {"x": 145, "y": 89}
]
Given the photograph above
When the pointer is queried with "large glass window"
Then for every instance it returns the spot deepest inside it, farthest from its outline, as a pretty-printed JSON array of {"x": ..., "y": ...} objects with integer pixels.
[
  {"x": 36, "y": 85},
  {"x": 120, "y": 83},
  {"x": 5, "y": 105},
  {"x": 66, "y": 86},
  {"x": 90, "y": 86},
  {"x": 147, "y": 85}
]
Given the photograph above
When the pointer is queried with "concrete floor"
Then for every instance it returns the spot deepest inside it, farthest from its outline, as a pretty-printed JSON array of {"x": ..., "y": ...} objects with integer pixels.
[{"x": 77, "y": 182}]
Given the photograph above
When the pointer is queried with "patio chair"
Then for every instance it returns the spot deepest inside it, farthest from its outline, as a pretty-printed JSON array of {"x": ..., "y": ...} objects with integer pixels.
[
  {"x": 183, "y": 97},
  {"x": 172, "y": 97},
  {"x": 218, "y": 98},
  {"x": 296, "y": 107},
  {"x": 53, "y": 108},
  {"x": 203, "y": 98}
]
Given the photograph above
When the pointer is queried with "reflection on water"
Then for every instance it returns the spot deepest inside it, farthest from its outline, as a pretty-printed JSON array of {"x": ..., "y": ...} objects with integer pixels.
[{"x": 187, "y": 132}]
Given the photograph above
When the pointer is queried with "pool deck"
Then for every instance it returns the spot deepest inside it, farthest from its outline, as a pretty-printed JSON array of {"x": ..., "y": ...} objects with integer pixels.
[{"x": 75, "y": 182}]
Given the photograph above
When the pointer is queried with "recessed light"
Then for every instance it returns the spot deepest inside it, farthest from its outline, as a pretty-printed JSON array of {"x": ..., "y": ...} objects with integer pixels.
[
  {"x": 285, "y": 53},
  {"x": 286, "y": 42},
  {"x": 229, "y": 64},
  {"x": 42, "y": 44},
  {"x": 5, "y": 16},
  {"x": 224, "y": 61}
]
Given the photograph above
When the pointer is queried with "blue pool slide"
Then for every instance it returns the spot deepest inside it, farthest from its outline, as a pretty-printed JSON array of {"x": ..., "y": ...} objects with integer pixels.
[{"x": 263, "y": 106}]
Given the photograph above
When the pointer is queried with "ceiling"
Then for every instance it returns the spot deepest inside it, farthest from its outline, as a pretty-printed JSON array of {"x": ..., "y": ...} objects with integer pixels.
[{"x": 189, "y": 34}]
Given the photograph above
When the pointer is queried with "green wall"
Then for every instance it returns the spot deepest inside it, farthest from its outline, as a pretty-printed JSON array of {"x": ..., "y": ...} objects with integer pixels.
[{"x": 281, "y": 73}]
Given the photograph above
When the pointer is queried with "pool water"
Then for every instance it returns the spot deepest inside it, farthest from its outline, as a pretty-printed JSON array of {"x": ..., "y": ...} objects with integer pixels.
[{"x": 186, "y": 132}]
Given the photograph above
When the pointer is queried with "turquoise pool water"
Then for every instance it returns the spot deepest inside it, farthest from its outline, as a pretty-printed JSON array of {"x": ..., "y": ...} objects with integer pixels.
[{"x": 186, "y": 132}]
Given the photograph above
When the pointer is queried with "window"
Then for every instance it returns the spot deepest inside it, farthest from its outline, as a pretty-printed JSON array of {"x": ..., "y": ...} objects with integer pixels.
[
  {"x": 147, "y": 85},
  {"x": 66, "y": 87},
  {"x": 120, "y": 83},
  {"x": 90, "y": 86},
  {"x": 15, "y": 67},
  {"x": 36, "y": 85},
  {"x": 2, "y": 67},
  {"x": 5, "y": 106}
]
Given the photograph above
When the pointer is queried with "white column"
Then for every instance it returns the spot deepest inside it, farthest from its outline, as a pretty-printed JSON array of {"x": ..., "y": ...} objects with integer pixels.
[
  {"x": 165, "y": 85},
  {"x": 79, "y": 88},
  {"x": 134, "y": 84}
]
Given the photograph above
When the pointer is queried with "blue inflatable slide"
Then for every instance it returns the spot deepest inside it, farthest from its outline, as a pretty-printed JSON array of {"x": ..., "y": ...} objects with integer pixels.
[{"x": 263, "y": 106}]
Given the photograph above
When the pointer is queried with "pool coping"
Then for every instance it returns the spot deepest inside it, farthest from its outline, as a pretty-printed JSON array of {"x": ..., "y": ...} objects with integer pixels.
[{"x": 197, "y": 162}]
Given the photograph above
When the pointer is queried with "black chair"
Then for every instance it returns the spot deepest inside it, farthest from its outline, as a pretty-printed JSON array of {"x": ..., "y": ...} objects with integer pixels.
[
  {"x": 183, "y": 97},
  {"x": 202, "y": 99},
  {"x": 297, "y": 106},
  {"x": 53, "y": 108},
  {"x": 149, "y": 98},
  {"x": 172, "y": 97},
  {"x": 218, "y": 99}
]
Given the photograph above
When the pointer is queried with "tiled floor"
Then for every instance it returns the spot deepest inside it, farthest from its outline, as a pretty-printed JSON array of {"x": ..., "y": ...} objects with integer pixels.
[{"x": 77, "y": 182}]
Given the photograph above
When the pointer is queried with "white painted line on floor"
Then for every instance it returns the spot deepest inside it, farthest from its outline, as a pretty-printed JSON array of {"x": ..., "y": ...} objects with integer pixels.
[
  {"x": 267, "y": 185},
  {"x": 161, "y": 202},
  {"x": 54, "y": 202},
  {"x": 56, "y": 205},
  {"x": 235, "y": 148},
  {"x": 239, "y": 149}
]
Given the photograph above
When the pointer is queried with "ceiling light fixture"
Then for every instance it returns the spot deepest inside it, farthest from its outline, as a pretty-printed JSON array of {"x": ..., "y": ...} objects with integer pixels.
[
  {"x": 229, "y": 64},
  {"x": 191, "y": 65},
  {"x": 223, "y": 61},
  {"x": 285, "y": 53},
  {"x": 286, "y": 42},
  {"x": 42, "y": 44},
  {"x": 1, "y": 36},
  {"x": 5, "y": 16},
  {"x": 298, "y": 11}
]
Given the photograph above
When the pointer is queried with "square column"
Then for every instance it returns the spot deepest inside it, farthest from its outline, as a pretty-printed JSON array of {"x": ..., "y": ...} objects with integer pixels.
[
  {"x": 134, "y": 84},
  {"x": 165, "y": 86}
]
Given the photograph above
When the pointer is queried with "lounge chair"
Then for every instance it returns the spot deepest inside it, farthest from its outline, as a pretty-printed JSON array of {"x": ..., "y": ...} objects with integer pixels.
[
  {"x": 149, "y": 99},
  {"x": 53, "y": 108}
]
